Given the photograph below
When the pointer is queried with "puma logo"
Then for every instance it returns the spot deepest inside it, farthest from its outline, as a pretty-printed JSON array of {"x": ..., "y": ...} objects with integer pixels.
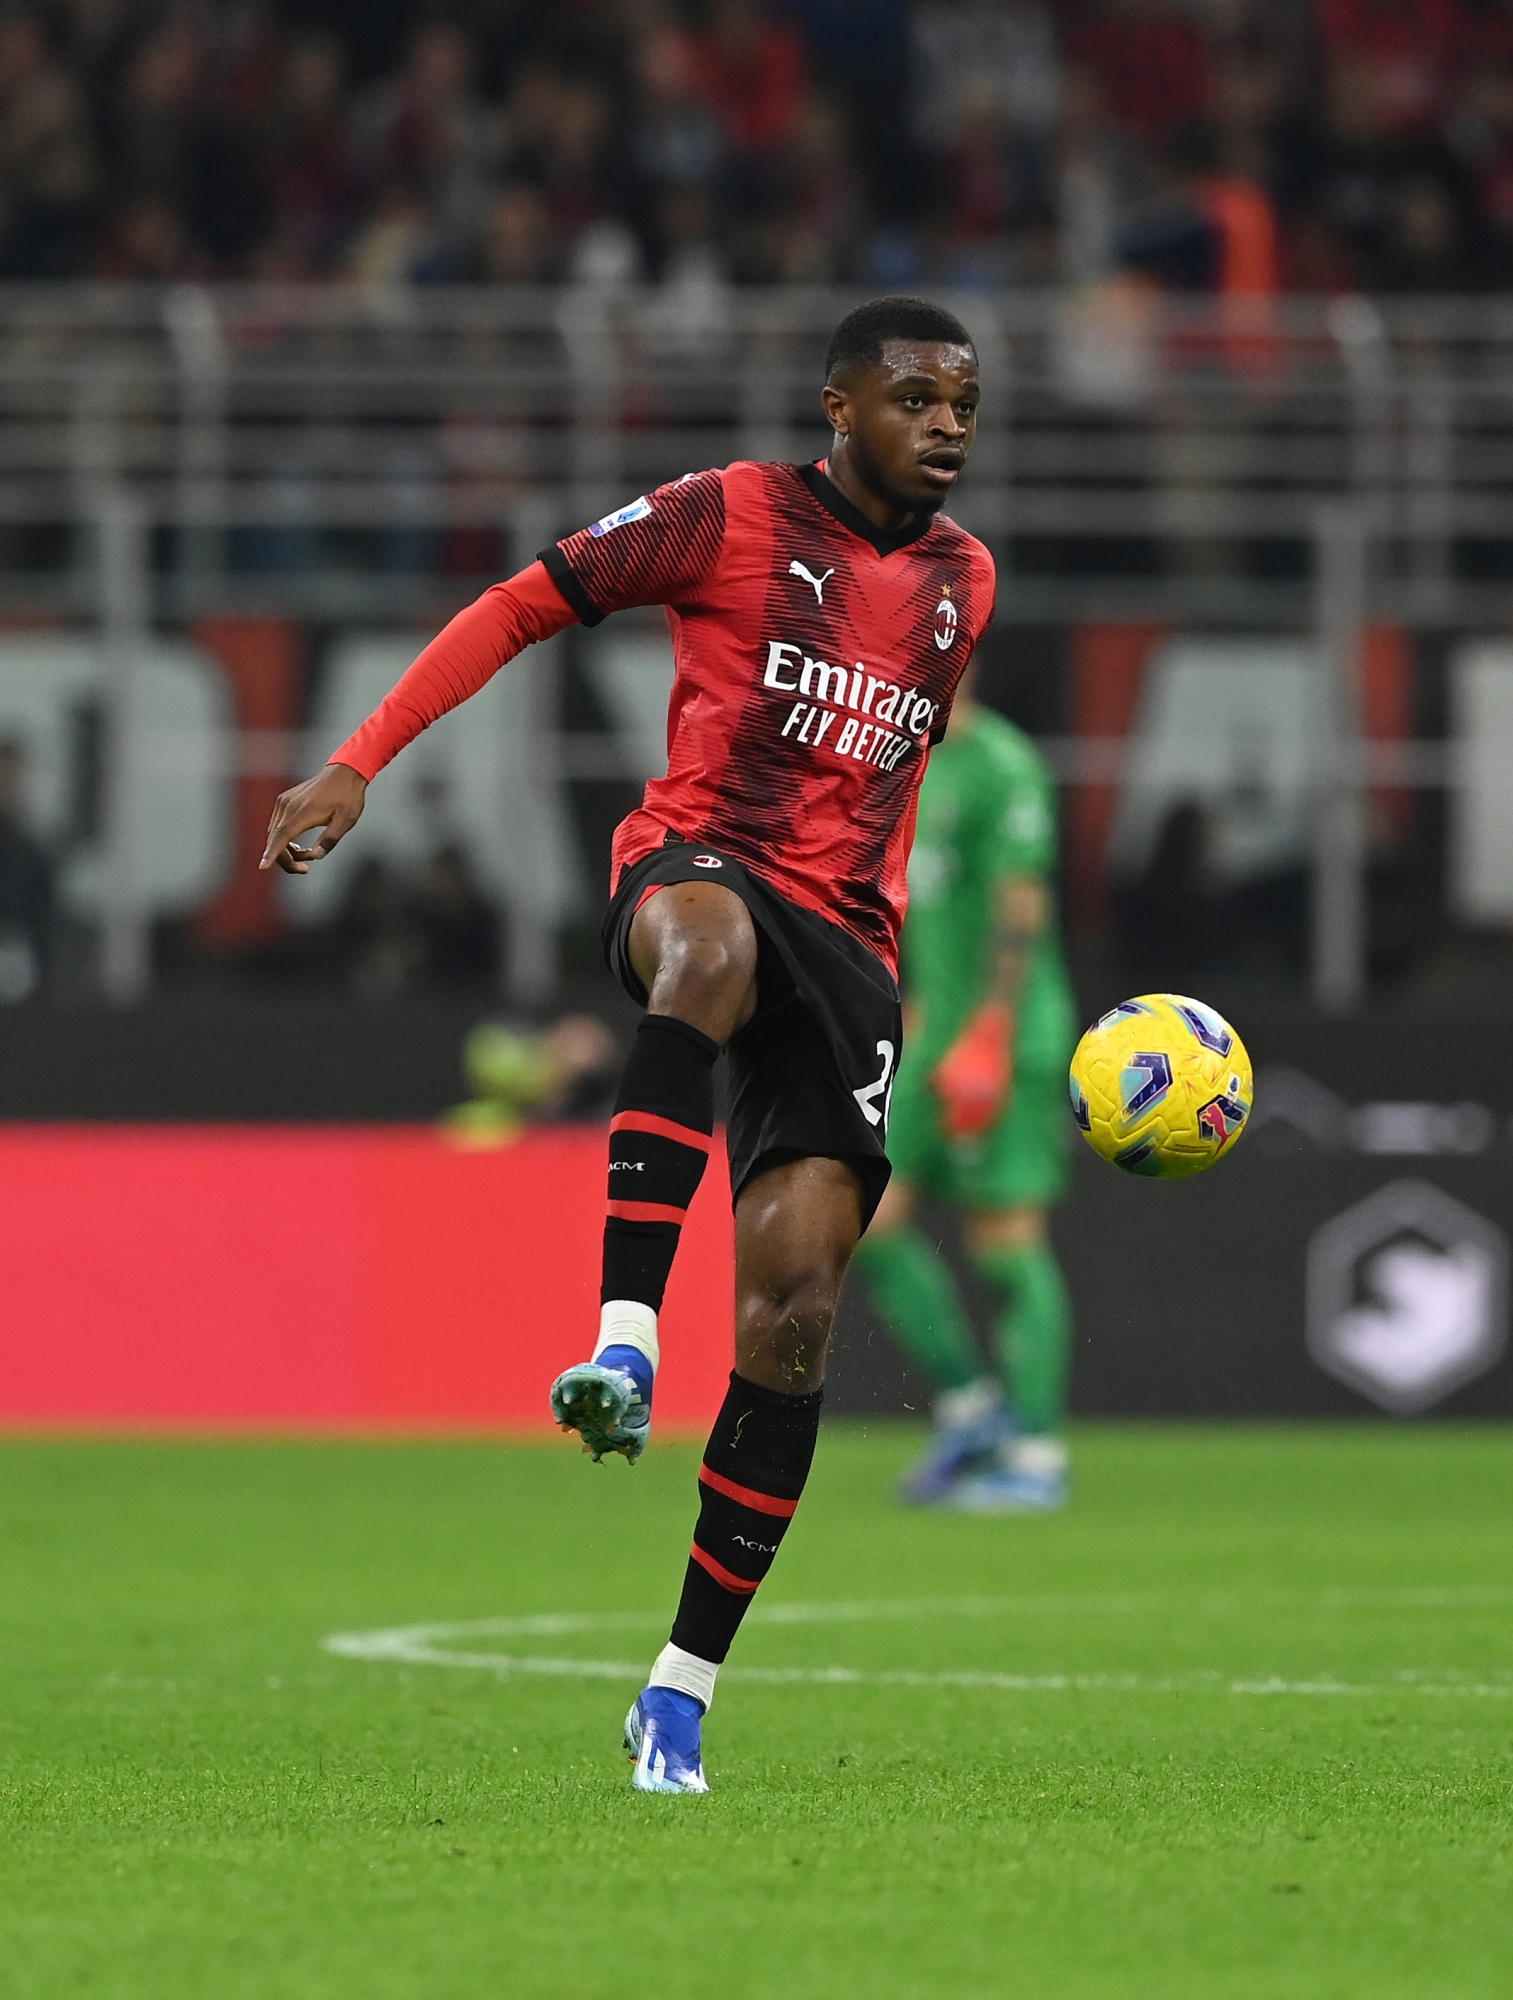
[{"x": 796, "y": 568}]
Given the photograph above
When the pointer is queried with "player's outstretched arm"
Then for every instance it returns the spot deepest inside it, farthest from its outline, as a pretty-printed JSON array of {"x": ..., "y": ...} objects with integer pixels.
[
  {"x": 458, "y": 662},
  {"x": 332, "y": 799},
  {"x": 667, "y": 543}
]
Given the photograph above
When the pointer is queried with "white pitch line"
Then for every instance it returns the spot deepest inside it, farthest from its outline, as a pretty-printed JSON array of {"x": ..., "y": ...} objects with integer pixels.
[
  {"x": 428, "y": 1646},
  {"x": 866, "y": 1611}
]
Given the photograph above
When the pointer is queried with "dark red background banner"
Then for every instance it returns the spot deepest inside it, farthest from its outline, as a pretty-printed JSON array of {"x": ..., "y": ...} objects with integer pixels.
[{"x": 243, "y": 1277}]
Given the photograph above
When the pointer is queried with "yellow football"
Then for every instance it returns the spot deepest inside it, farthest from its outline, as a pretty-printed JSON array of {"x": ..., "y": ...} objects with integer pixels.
[{"x": 1161, "y": 1086}]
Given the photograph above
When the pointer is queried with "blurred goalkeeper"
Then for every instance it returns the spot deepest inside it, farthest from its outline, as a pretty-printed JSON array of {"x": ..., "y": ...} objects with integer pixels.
[{"x": 979, "y": 1118}]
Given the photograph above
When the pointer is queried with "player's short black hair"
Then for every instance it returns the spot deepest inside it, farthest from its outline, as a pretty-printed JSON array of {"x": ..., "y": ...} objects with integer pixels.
[{"x": 860, "y": 337}]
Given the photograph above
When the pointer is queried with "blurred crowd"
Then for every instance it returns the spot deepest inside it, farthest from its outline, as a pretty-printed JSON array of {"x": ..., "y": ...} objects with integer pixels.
[
  {"x": 398, "y": 931},
  {"x": 1241, "y": 145},
  {"x": 395, "y": 931}
]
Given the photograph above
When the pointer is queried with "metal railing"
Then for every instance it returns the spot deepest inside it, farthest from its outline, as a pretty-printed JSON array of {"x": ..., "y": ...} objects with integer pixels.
[{"x": 1297, "y": 466}]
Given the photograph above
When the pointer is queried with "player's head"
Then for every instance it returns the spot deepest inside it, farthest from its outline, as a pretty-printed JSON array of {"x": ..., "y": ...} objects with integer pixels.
[{"x": 901, "y": 394}]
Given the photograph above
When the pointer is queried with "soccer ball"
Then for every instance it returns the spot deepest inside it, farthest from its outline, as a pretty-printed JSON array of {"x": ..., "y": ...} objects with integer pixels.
[{"x": 1161, "y": 1086}]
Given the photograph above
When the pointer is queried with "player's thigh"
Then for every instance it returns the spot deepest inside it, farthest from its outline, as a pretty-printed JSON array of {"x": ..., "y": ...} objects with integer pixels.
[
  {"x": 788, "y": 1099},
  {"x": 693, "y": 946},
  {"x": 1022, "y": 1161},
  {"x": 797, "y": 1222}
]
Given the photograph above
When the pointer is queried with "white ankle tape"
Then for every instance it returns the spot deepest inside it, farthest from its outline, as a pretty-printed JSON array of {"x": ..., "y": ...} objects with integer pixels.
[
  {"x": 673, "y": 1668},
  {"x": 628, "y": 1323}
]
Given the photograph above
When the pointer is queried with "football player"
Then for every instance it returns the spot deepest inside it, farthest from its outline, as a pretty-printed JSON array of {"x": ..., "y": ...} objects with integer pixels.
[{"x": 821, "y": 616}]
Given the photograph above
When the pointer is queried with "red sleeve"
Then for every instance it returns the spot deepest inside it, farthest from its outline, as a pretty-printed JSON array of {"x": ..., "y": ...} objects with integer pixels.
[
  {"x": 658, "y": 550},
  {"x": 459, "y": 660}
]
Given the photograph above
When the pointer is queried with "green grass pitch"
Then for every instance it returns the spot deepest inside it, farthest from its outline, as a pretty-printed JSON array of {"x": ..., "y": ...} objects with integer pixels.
[{"x": 1237, "y": 1724}]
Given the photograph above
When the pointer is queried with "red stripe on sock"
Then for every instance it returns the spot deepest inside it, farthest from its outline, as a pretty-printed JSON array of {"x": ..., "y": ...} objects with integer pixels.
[
  {"x": 762, "y": 1503},
  {"x": 661, "y": 1128},
  {"x": 647, "y": 1211},
  {"x": 726, "y": 1578}
]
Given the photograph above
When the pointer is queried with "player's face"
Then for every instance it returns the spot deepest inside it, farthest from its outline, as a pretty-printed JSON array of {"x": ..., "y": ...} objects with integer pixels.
[{"x": 909, "y": 420}]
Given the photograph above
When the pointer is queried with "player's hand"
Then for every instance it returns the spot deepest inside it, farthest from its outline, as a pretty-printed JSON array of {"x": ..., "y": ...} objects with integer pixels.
[
  {"x": 333, "y": 798},
  {"x": 972, "y": 1078}
]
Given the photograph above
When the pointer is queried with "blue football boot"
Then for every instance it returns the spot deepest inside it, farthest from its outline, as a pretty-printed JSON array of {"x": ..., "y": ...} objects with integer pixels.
[
  {"x": 608, "y": 1402},
  {"x": 1006, "y": 1491},
  {"x": 662, "y": 1740},
  {"x": 972, "y": 1427}
]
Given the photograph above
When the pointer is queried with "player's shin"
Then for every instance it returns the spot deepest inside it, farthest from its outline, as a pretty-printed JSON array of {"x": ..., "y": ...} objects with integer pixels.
[
  {"x": 658, "y": 1147},
  {"x": 659, "y": 1141},
  {"x": 754, "y": 1469}
]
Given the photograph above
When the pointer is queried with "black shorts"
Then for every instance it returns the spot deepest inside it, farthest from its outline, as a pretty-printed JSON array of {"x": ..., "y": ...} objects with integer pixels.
[{"x": 811, "y": 1073}]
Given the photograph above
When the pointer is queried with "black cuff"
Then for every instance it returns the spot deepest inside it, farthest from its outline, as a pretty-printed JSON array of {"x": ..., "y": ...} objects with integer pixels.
[
  {"x": 775, "y": 1398},
  {"x": 705, "y": 1044},
  {"x": 574, "y": 595}
]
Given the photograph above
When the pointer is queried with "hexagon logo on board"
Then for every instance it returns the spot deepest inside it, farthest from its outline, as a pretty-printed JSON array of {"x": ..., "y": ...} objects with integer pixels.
[{"x": 1407, "y": 1296}]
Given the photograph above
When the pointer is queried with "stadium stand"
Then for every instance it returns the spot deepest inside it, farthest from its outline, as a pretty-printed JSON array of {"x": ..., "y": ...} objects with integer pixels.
[{"x": 1221, "y": 144}]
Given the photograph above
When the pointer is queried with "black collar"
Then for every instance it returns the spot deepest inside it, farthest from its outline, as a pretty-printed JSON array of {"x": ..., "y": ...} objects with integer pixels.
[{"x": 831, "y": 498}]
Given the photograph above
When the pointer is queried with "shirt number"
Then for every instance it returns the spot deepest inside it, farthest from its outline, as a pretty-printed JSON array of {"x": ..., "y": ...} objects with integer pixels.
[{"x": 869, "y": 1093}]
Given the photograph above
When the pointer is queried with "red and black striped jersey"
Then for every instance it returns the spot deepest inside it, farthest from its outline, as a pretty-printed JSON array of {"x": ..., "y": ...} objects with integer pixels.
[{"x": 815, "y": 661}]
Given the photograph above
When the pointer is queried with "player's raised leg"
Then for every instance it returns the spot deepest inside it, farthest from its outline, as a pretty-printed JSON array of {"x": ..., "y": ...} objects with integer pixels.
[
  {"x": 694, "y": 949},
  {"x": 915, "y": 1290},
  {"x": 796, "y": 1227}
]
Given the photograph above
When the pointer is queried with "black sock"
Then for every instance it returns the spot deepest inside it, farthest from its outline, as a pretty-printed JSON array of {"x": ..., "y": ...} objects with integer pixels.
[
  {"x": 658, "y": 1145},
  {"x": 755, "y": 1465}
]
